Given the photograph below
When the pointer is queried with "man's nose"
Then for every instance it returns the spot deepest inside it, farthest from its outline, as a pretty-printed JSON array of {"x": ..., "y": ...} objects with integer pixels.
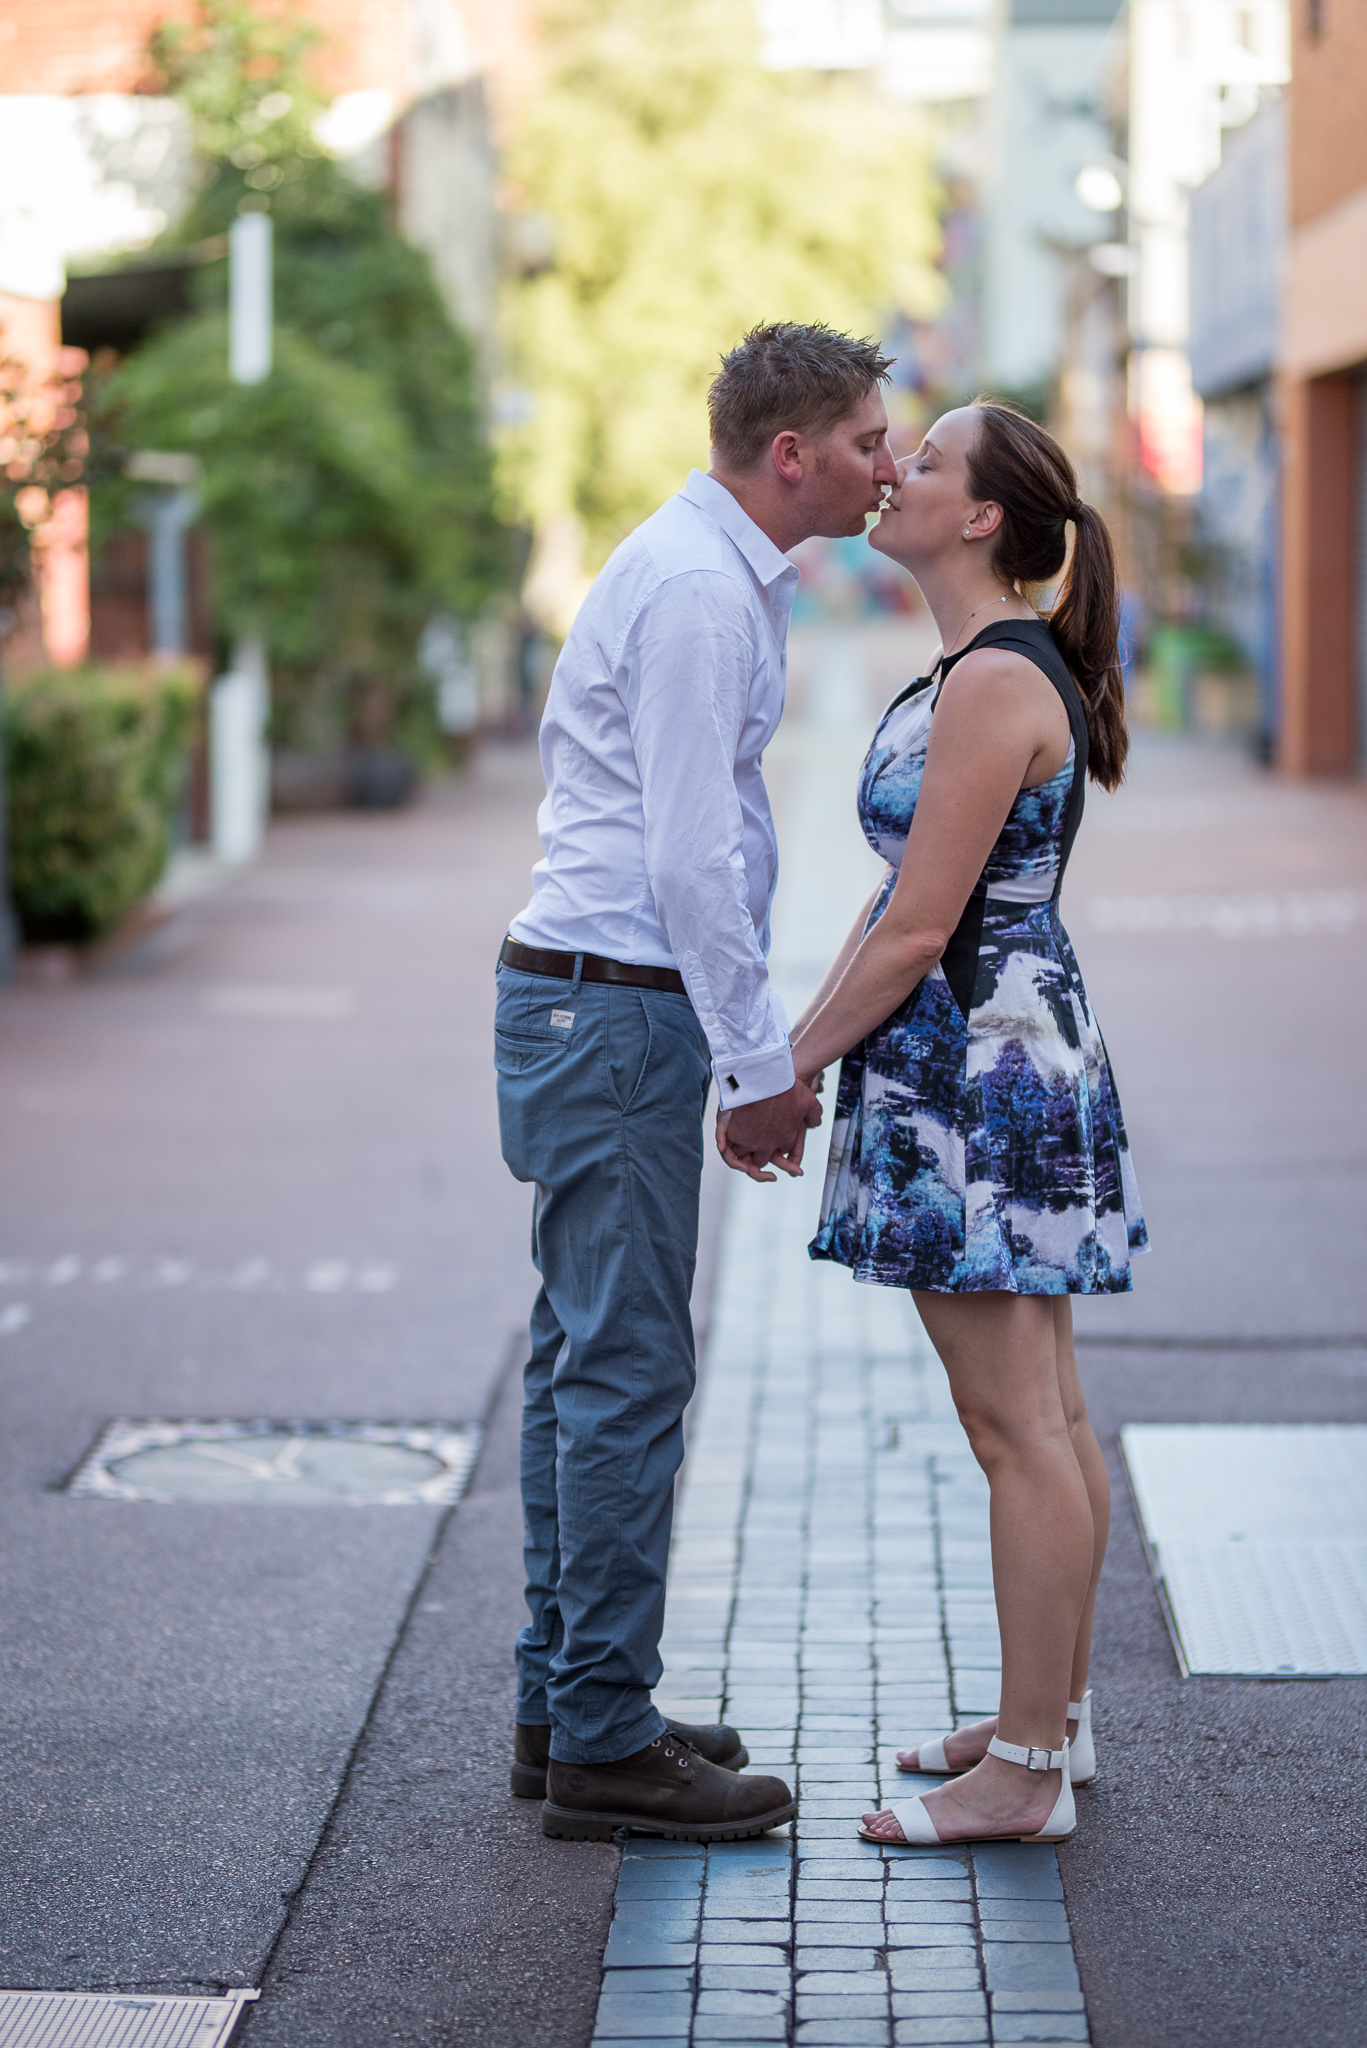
[{"x": 885, "y": 468}]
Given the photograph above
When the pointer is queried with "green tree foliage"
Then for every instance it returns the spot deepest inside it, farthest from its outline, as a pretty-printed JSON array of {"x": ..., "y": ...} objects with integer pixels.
[
  {"x": 95, "y": 760},
  {"x": 690, "y": 193},
  {"x": 349, "y": 496}
]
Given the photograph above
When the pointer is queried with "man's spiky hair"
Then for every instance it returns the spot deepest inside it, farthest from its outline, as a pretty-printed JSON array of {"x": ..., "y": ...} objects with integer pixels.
[{"x": 786, "y": 375}]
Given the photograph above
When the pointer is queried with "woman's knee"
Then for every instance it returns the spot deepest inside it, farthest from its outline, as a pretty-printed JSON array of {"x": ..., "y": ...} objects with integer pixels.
[
  {"x": 1003, "y": 1433},
  {"x": 1075, "y": 1415}
]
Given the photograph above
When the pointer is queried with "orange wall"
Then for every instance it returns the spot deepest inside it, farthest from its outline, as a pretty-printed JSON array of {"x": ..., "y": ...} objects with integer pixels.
[
  {"x": 1320, "y": 518},
  {"x": 58, "y": 628},
  {"x": 69, "y": 46},
  {"x": 1325, "y": 351},
  {"x": 79, "y": 46},
  {"x": 1328, "y": 106}
]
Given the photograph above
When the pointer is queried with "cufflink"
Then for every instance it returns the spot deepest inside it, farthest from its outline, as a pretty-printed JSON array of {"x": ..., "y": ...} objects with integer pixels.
[{"x": 732, "y": 1082}]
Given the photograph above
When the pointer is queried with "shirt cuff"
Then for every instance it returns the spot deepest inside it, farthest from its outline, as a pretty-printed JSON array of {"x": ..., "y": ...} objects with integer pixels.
[{"x": 753, "y": 1076}]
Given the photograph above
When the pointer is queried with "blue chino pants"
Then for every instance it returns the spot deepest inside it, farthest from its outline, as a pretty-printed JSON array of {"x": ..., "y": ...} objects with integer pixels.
[{"x": 600, "y": 1096}]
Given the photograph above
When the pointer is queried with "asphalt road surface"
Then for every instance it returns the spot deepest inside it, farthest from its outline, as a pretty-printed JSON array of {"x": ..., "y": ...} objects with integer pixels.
[
  {"x": 1218, "y": 1892},
  {"x": 254, "y": 1172}
]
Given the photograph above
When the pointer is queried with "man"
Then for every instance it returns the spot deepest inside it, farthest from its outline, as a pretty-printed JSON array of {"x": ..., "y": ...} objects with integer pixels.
[{"x": 636, "y": 974}]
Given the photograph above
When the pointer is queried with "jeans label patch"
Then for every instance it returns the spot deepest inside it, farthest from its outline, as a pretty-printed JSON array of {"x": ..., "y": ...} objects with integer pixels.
[{"x": 562, "y": 1019}]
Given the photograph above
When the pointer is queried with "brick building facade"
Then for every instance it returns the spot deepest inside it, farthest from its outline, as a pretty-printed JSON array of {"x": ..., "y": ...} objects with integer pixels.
[
  {"x": 1324, "y": 396},
  {"x": 435, "y": 84}
]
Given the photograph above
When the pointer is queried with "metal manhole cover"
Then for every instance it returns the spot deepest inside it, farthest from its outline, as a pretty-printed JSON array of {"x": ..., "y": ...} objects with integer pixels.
[
  {"x": 116, "y": 2019},
  {"x": 282, "y": 1464},
  {"x": 1258, "y": 1533}
]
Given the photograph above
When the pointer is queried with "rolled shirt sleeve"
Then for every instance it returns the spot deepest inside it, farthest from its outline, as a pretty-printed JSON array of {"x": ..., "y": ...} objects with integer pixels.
[{"x": 686, "y": 685}]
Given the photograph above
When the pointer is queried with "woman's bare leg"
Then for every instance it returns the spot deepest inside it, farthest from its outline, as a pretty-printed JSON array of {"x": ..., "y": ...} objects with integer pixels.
[
  {"x": 1092, "y": 1465},
  {"x": 969, "y": 1745},
  {"x": 1001, "y": 1353}
]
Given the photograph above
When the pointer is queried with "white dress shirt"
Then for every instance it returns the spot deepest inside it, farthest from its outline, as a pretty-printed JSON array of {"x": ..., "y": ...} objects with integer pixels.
[{"x": 660, "y": 846}]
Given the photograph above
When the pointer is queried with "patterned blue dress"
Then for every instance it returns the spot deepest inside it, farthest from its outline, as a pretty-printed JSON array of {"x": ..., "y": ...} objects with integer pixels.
[{"x": 978, "y": 1140}]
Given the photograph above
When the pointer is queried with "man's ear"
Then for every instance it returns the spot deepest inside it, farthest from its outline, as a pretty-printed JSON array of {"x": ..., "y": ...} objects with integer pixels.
[{"x": 787, "y": 452}]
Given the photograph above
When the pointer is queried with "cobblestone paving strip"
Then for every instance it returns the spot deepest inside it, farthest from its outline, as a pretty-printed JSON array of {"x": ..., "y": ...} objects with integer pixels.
[{"x": 831, "y": 1595}]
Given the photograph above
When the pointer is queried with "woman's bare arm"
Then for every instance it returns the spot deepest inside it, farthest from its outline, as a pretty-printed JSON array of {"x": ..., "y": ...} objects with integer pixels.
[{"x": 996, "y": 719}]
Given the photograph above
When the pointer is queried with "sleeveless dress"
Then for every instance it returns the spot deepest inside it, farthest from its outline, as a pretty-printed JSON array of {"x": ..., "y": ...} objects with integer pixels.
[{"x": 977, "y": 1139}]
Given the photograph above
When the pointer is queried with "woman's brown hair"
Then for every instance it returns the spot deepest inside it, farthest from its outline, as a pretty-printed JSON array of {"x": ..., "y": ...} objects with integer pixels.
[{"x": 1016, "y": 464}]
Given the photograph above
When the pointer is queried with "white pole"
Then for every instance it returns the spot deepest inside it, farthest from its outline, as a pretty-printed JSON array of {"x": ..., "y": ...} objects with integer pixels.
[
  {"x": 239, "y": 765},
  {"x": 239, "y": 760},
  {"x": 249, "y": 298}
]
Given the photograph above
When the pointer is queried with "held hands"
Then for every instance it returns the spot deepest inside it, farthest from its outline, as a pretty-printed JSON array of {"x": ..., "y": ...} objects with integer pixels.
[{"x": 769, "y": 1133}]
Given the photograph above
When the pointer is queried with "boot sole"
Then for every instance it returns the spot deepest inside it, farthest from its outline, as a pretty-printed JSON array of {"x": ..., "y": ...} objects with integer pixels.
[
  {"x": 528, "y": 1781},
  {"x": 564, "y": 1824}
]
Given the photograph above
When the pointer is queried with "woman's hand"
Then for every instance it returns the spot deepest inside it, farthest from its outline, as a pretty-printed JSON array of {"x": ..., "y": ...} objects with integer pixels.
[{"x": 751, "y": 1163}]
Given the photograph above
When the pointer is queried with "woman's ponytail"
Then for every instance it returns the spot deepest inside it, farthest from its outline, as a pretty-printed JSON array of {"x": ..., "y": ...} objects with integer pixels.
[
  {"x": 1085, "y": 623},
  {"x": 1016, "y": 464}
]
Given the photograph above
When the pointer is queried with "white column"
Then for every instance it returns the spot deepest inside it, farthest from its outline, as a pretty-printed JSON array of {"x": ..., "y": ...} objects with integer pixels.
[
  {"x": 249, "y": 298},
  {"x": 239, "y": 760},
  {"x": 239, "y": 706}
]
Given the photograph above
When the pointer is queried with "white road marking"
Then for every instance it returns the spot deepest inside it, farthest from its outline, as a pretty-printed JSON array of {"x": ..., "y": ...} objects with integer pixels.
[
  {"x": 321, "y": 1276},
  {"x": 1259, "y": 914},
  {"x": 376, "y": 1279},
  {"x": 328, "y": 1276},
  {"x": 13, "y": 1317}
]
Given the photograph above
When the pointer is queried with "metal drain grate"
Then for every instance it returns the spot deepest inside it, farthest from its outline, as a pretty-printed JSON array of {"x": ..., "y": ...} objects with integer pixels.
[
  {"x": 1259, "y": 1537},
  {"x": 115, "y": 2019},
  {"x": 284, "y": 1464}
]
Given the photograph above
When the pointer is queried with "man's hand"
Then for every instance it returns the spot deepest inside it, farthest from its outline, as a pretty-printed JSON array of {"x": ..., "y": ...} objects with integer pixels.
[{"x": 768, "y": 1133}]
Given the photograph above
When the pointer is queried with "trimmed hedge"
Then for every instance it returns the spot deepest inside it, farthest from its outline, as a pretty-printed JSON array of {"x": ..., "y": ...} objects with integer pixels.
[{"x": 95, "y": 765}]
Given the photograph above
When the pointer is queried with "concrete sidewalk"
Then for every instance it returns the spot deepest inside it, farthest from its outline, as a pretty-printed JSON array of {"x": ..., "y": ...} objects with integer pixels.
[
  {"x": 821, "y": 1599},
  {"x": 255, "y": 1173}
]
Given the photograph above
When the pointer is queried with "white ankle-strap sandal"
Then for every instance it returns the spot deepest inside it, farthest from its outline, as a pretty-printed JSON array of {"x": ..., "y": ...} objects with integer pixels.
[
  {"x": 1081, "y": 1748},
  {"x": 931, "y": 1758},
  {"x": 918, "y": 1829}
]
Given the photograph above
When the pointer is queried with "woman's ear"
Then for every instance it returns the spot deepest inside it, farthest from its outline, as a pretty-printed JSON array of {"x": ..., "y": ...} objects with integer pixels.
[{"x": 985, "y": 522}]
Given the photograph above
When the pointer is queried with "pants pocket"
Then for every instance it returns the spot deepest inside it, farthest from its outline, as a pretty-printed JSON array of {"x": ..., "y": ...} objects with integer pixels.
[
  {"x": 517, "y": 1055},
  {"x": 627, "y": 1047}
]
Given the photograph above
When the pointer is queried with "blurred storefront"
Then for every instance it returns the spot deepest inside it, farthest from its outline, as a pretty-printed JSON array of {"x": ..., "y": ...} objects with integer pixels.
[
  {"x": 1238, "y": 271},
  {"x": 1195, "y": 72},
  {"x": 1050, "y": 187},
  {"x": 1324, "y": 383}
]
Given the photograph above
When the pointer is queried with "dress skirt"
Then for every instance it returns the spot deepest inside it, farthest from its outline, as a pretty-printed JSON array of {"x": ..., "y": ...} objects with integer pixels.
[{"x": 986, "y": 1152}]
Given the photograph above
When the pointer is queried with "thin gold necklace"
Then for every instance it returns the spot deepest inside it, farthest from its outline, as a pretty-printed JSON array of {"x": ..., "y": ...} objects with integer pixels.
[{"x": 973, "y": 615}]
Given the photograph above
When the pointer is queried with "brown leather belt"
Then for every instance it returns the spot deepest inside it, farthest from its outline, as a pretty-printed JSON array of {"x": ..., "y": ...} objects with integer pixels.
[{"x": 560, "y": 967}]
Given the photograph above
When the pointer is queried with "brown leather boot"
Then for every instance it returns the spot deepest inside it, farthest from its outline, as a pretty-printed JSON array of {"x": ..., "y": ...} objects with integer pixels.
[
  {"x": 667, "y": 1789},
  {"x": 532, "y": 1752}
]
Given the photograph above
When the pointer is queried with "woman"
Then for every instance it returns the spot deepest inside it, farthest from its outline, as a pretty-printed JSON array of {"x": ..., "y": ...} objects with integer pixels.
[{"x": 978, "y": 1153}]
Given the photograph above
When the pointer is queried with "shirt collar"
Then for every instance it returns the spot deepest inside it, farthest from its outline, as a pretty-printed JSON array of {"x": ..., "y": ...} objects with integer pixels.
[{"x": 735, "y": 522}]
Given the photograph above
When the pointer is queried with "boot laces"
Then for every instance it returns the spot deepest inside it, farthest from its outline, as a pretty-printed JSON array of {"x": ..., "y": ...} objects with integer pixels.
[{"x": 677, "y": 1745}]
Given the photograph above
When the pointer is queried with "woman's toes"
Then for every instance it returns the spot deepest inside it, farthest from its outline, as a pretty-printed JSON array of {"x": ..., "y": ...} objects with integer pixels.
[{"x": 909, "y": 1759}]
